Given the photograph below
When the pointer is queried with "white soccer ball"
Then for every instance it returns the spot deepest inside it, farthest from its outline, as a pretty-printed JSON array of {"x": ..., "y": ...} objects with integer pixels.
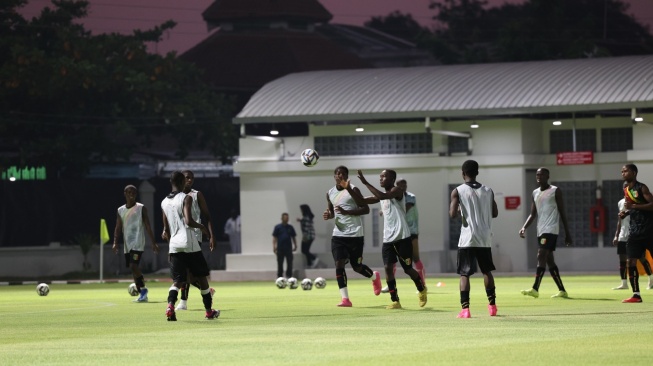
[
  {"x": 292, "y": 283},
  {"x": 281, "y": 282},
  {"x": 309, "y": 157},
  {"x": 307, "y": 284},
  {"x": 132, "y": 289},
  {"x": 42, "y": 289},
  {"x": 320, "y": 282}
]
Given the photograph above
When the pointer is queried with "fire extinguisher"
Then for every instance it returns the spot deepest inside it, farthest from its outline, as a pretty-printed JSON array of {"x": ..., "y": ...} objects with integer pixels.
[{"x": 597, "y": 214}]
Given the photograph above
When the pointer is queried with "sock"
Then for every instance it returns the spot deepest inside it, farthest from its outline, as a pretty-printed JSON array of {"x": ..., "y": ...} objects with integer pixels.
[
  {"x": 556, "y": 278},
  {"x": 622, "y": 269},
  {"x": 341, "y": 276},
  {"x": 491, "y": 295},
  {"x": 206, "y": 299},
  {"x": 633, "y": 276},
  {"x": 418, "y": 282},
  {"x": 538, "y": 278},
  {"x": 464, "y": 299},
  {"x": 419, "y": 267},
  {"x": 184, "y": 292},
  {"x": 344, "y": 293},
  {"x": 392, "y": 288},
  {"x": 140, "y": 282},
  {"x": 647, "y": 266},
  {"x": 172, "y": 295}
]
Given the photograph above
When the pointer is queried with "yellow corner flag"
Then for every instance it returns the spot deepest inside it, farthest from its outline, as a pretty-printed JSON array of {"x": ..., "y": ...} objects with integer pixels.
[{"x": 104, "y": 232}]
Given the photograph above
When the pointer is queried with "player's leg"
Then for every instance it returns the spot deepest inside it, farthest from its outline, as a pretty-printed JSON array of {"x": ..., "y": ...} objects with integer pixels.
[
  {"x": 404, "y": 249},
  {"x": 280, "y": 258},
  {"x": 486, "y": 265},
  {"x": 647, "y": 269},
  {"x": 419, "y": 266},
  {"x": 183, "y": 302},
  {"x": 623, "y": 268},
  {"x": 178, "y": 273},
  {"x": 355, "y": 249},
  {"x": 289, "y": 263},
  {"x": 134, "y": 264},
  {"x": 200, "y": 270},
  {"x": 466, "y": 266},
  {"x": 389, "y": 262},
  {"x": 555, "y": 274},
  {"x": 634, "y": 249},
  {"x": 340, "y": 258}
]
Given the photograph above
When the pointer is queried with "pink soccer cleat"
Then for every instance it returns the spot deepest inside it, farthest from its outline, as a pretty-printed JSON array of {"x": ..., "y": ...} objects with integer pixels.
[
  {"x": 345, "y": 303},
  {"x": 376, "y": 283},
  {"x": 492, "y": 309},
  {"x": 464, "y": 313}
]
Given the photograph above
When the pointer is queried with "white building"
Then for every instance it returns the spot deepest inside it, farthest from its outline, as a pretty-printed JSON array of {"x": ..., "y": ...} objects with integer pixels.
[{"x": 415, "y": 121}]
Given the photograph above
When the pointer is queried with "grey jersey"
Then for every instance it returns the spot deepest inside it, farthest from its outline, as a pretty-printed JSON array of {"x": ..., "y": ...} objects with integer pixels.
[
  {"x": 548, "y": 216},
  {"x": 395, "y": 226},
  {"x": 346, "y": 225},
  {"x": 476, "y": 211},
  {"x": 412, "y": 215},
  {"x": 624, "y": 232},
  {"x": 133, "y": 228},
  {"x": 196, "y": 212},
  {"x": 182, "y": 239}
]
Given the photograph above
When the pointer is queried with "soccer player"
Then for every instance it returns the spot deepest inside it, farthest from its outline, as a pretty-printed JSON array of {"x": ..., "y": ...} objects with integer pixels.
[
  {"x": 345, "y": 205},
  {"x": 548, "y": 208},
  {"x": 475, "y": 204},
  {"x": 639, "y": 207},
  {"x": 308, "y": 235},
  {"x": 412, "y": 218},
  {"x": 185, "y": 253},
  {"x": 198, "y": 209},
  {"x": 397, "y": 245},
  {"x": 620, "y": 240},
  {"x": 133, "y": 223}
]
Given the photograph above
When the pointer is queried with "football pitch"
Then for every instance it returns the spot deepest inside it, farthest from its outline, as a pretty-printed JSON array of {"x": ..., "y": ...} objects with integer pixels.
[{"x": 98, "y": 324}]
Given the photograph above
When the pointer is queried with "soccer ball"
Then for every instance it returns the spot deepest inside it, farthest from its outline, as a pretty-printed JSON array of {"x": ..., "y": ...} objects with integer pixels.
[
  {"x": 43, "y": 289},
  {"x": 281, "y": 282},
  {"x": 320, "y": 282},
  {"x": 310, "y": 157},
  {"x": 292, "y": 283},
  {"x": 307, "y": 284},
  {"x": 132, "y": 289}
]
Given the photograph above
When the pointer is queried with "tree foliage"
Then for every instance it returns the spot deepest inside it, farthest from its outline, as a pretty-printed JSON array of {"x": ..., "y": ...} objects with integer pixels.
[
  {"x": 470, "y": 32},
  {"x": 69, "y": 99},
  {"x": 399, "y": 25}
]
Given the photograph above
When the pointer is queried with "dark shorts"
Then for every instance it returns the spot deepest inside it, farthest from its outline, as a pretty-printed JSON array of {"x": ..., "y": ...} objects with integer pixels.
[
  {"x": 414, "y": 236},
  {"x": 636, "y": 248},
  {"x": 547, "y": 241},
  {"x": 621, "y": 247},
  {"x": 468, "y": 257},
  {"x": 349, "y": 248},
  {"x": 182, "y": 263},
  {"x": 134, "y": 256},
  {"x": 400, "y": 250}
]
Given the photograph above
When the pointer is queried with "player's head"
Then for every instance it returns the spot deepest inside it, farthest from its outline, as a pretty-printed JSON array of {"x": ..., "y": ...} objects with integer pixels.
[
  {"x": 177, "y": 180},
  {"x": 387, "y": 178},
  {"x": 470, "y": 169},
  {"x": 401, "y": 183},
  {"x": 542, "y": 176},
  {"x": 629, "y": 172},
  {"x": 340, "y": 173},
  {"x": 284, "y": 217},
  {"x": 189, "y": 179},
  {"x": 130, "y": 193}
]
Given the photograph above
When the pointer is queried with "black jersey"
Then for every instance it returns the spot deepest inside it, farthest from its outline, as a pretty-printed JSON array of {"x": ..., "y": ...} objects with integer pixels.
[{"x": 641, "y": 222}]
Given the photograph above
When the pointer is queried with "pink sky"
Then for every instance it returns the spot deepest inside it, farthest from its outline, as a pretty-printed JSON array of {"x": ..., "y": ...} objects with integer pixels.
[{"x": 123, "y": 16}]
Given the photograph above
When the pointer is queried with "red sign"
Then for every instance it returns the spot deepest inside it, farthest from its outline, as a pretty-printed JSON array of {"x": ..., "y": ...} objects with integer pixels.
[
  {"x": 513, "y": 202},
  {"x": 575, "y": 157}
]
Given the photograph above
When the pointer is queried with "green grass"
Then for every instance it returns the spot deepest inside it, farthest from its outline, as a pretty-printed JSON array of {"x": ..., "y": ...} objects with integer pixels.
[{"x": 262, "y": 325}]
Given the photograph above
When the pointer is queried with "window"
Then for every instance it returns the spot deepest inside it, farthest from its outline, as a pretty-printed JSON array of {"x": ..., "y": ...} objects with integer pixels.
[
  {"x": 417, "y": 143},
  {"x": 616, "y": 139},
  {"x": 563, "y": 140}
]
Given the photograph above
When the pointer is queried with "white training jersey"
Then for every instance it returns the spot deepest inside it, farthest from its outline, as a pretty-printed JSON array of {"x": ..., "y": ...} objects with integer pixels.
[
  {"x": 476, "y": 210},
  {"x": 182, "y": 239},
  {"x": 548, "y": 216},
  {"x": 196, "y": 212},
  {"x": 133, "y": 228},
  {"x": 625, "y": 222},
  {"x": 395, "y": 226},
  {"x": 412, "y": 215},
  {"x": 345, "y": 225}
]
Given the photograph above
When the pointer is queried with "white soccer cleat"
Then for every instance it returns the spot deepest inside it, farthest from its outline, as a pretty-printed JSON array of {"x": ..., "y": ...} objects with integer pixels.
[{"x": 182, "y": 305}]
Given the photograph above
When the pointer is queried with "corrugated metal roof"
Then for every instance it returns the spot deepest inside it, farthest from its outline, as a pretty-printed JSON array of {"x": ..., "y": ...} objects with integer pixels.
[{"x": 455, "y": 91}]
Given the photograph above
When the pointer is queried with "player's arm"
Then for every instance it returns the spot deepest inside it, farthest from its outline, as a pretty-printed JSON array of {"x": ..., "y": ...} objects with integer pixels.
[
  {"x": 395, "y": 192},
  {"x": 563, "y": 216},
  {"x": 615, "y": 240},
  {"x": 274, "y": 241},
  {"x": 204, "y": 209},
  {"x": 188, "y": 216},
  {"x": 117, "y": 231},
  {"x": 362, "y": 209},
  {"x": 148, "y": 230},
  {"x": 329, "y": 213},
  {"x": 294, "y": 240},
  {"x": 495, "y": 209},
  {"x": 454, "y": 206},
  {"x": 165, "y": 235},
  {"x": 529, "y": 220}
]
